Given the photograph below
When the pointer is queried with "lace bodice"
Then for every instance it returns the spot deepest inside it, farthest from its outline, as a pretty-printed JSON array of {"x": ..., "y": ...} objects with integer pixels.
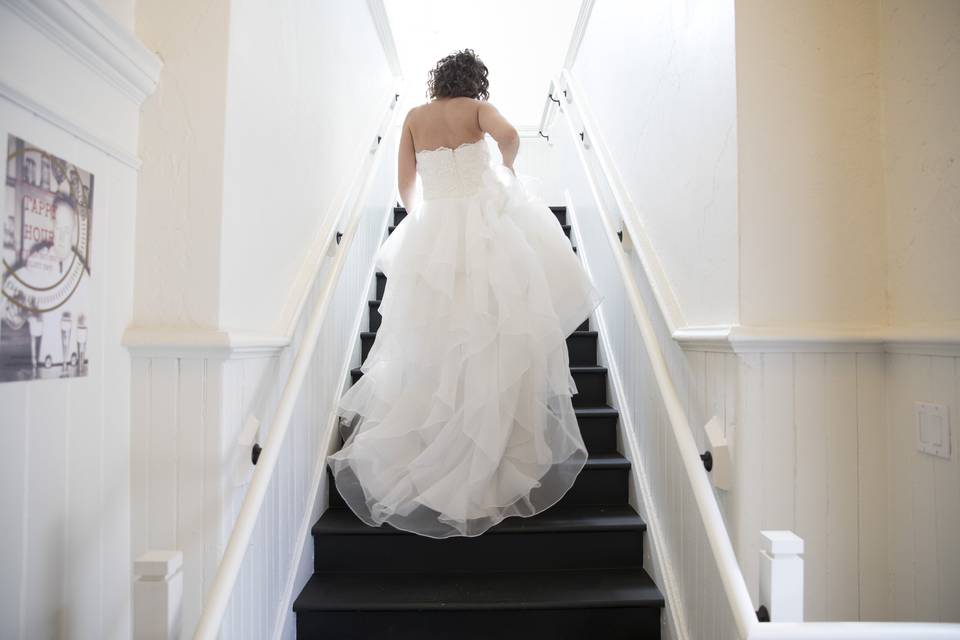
[{"x": 451, "y": 173}]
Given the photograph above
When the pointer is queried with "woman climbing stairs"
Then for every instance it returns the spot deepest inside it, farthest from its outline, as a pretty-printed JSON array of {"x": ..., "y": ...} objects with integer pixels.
[{"x": 572, "y": 571}]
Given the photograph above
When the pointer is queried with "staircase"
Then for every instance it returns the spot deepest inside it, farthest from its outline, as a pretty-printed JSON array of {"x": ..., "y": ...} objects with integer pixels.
[{"x": 573, "y": 571}]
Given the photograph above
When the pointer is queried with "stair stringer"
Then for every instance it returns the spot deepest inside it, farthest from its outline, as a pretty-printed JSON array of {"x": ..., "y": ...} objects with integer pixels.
[{"x": 641, "y": 496}]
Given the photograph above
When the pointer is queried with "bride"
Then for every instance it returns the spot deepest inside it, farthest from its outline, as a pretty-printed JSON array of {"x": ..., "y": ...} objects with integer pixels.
[{"x": 463, "y": 415}]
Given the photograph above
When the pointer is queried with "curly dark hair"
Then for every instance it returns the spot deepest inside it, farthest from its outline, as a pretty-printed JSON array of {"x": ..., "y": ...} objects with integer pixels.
[{"x": 461, "y": 73}]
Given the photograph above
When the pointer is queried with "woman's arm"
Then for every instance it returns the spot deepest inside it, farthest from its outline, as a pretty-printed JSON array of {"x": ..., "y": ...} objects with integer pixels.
[
  {"x": 500, "y": 130},
  {"x": 407, "y": 166}
]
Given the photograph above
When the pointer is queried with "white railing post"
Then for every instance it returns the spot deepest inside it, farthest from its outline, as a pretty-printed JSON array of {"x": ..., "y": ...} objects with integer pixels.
[
  {"x": 157, "y": 595},
  {"x": 781, "y": 575}
]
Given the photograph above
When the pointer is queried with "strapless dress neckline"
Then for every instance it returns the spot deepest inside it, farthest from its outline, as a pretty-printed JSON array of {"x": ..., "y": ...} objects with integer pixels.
[{"x": 459, "y": 146}]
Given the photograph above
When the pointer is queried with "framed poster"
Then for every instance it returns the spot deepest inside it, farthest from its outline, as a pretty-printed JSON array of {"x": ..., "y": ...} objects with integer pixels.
[{"x": 45, "y": 277}]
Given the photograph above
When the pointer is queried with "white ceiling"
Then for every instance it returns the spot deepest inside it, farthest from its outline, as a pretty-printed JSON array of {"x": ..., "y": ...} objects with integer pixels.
[{"x": 522, "y": 42}]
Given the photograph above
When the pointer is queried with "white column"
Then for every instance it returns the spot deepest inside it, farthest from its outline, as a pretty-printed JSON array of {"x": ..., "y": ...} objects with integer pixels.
[
  {"x": 781, "y": 575},
  {"x": 157, "y": 595}
]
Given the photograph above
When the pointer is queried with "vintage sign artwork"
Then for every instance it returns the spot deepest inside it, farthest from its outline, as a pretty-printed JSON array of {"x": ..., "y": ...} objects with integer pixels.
[{"x": 44, "y": 308}]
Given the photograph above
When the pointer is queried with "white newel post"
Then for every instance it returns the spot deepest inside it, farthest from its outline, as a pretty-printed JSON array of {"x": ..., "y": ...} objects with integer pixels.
[
  {"x": 781, "y": 575},
  {"x": 157, "y": 595}
]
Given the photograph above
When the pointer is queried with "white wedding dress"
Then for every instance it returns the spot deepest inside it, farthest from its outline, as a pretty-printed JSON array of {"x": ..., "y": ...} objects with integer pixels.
[{"x": 463, "y": 415}]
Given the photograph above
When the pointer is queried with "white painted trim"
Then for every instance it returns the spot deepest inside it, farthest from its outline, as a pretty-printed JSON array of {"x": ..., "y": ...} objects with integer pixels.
[
  {"x": 657, "y": 540},
  {"x": 579, "y": 29},
  {"x": 939, "y": 341},
  {"x": 65, "y": 124},
  {"x": 378, "y": 12},
  {"x": 666, "y": 299},
  {"x": 87, "y": 32},
  {"x": 317, "y": 253}
]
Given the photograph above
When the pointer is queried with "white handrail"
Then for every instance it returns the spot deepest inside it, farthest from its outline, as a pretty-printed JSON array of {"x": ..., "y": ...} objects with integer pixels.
[
  {"x": 219, "y": 595},
  {"x": 730, "y": 574}
]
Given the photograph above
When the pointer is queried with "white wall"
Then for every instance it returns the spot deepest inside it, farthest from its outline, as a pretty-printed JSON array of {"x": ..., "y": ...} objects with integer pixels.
[
  {"x": 181, "y": 182},
  {"x": 919, "y": 53},
  {"x": 812, "y": 243},
  {"x": 659, "y": 79},
  {"x": 307, "y": 84},
  {"x": 65, "y": 555},
  {"x": 252, "y": 140}
]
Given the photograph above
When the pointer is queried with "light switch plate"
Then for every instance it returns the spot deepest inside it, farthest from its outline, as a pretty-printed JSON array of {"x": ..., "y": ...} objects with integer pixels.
[{"x": 933, "y": 428}]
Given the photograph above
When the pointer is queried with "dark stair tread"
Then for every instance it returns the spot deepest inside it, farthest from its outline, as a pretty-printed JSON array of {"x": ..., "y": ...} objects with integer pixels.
[
  {"x": 490, "y": 590},
  {"x": 588, "y": 368},
  {"x": 597, "y": 411},
  {"x": 342, "y": 521},
  {"x": 607, "y": 460}
]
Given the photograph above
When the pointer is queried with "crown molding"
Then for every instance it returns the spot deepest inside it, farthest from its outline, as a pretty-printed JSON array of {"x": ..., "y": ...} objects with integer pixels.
[{"x": 87, "y": 32}]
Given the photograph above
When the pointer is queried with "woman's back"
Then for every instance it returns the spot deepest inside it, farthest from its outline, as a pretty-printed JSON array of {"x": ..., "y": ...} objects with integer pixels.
[{"x": 447, "y": 122}]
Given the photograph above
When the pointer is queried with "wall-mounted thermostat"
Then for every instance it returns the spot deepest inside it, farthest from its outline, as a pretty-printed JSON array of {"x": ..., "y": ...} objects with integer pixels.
[{"x": 933, "y": 428}]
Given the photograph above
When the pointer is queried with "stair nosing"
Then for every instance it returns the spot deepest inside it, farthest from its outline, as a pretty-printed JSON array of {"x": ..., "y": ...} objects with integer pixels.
[{"x": 645, "y": 592}]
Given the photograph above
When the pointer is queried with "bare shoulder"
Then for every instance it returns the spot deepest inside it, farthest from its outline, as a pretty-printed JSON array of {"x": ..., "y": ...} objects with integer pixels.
[{"x": 413, "y": 113}]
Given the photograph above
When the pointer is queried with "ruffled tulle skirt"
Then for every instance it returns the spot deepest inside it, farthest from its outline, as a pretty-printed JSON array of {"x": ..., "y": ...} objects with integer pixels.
[{"x": 463, "y": 415}]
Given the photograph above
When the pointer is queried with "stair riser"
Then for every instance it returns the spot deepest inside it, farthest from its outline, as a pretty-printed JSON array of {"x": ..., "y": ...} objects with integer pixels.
[
  {"x": 599, "y": 434},
  {"x": 488, "y": 552},
  {"x": 582, "y": 348},
  {"x": 608, "y": 623},
  {"x": 598, "y": 486},
  {"x": 591, "y": 388},
  {"x": 594, "y": 486}
]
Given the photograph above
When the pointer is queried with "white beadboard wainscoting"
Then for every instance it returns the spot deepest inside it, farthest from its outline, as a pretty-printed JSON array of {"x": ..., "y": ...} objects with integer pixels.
[
  {"x": 190, "y": 404},
  {"x": 923, "y": 503},
  {"x": 72, "y": 83},
  {"x": 825, "y": 444},
  {"x": 808, "y": 449}
]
